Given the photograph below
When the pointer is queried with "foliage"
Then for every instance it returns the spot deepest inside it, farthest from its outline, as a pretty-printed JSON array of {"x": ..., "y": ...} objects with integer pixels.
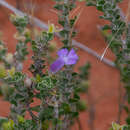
[
  {"x": 57, "y": 86},
  {"x": 116, "y": 126},
  {"x": 58, "y": 92},
  {"x": 118, "y": 40}
]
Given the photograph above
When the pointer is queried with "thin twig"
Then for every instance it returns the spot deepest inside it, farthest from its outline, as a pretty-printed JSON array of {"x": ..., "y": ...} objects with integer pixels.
[
  {"x": 18, "y": 4},
  {"x": 91, "y": 116},
  {"x": 35, "y": 118},
  {"x": 42, "y": 25},
  {"x": 119, "y": 104},
  {"x": 79, "y": 123},
  {"x": 91, "y": 110}
]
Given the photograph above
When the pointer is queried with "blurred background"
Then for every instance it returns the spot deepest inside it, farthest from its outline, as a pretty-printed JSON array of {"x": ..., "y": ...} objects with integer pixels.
[{"x": 104, "y": 82}]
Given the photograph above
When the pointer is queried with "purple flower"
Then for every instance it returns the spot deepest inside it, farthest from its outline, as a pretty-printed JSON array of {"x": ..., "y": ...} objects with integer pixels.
[{"x": 65, "y": 58}]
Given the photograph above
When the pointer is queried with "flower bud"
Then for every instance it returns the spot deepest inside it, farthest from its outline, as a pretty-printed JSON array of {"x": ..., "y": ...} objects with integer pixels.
[
  {"x": 1, "y": 47},
  {"x": 84, "y": 86},
  {"x": 115, "y": 126},
  {"x": 51, "y": 28},
  {"x": 28, "y": 82},
  {"x": 3, "y": 72},
  {"x": 8, "y": 125},
  {"x": 19, "y": 66},
  {"x": 18, "y": 37},
  {"x": 6, "y": 90},
  {"x": 11, "y": 72},
  {"x": 27, "y": 32},
  {"x": 81, "y": 105},
  {"x": 21, "y": 119},
  {"x": 12, "y": 17},
  {"x": 9, "y": 58}
]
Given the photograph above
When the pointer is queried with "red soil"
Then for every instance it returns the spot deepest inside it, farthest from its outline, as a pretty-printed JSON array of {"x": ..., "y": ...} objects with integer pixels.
[{"x": 104, "y": 80}]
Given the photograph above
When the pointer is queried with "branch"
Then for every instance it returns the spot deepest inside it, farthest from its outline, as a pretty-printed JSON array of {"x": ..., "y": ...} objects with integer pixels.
[
  {"x": 35, "y": 118},
  {"x": 42, "y": 25},
  {"x": 79, "y": 123}
]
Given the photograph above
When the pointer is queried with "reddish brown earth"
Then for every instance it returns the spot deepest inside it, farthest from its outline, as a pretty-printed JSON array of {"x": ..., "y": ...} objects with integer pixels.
[{"x": 104, "y": 80}]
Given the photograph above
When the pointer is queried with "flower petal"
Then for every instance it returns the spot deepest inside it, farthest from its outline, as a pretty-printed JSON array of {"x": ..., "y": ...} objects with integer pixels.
[
  {"x": 71, "y": 61},
  {"x": 57, "y": 65},
  {"x": 71, "y": 58},
  {"x": 62, "y": 52},
  {"x": 72, "y": 53}
]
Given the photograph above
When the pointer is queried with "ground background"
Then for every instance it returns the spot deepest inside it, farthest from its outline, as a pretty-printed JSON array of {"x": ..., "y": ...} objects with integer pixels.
[{"x": 104, "y": 80}]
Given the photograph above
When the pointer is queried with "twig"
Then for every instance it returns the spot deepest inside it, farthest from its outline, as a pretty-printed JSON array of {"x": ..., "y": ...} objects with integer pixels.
[
  {"x": 42, "y": 25},
  {"x": 91, "y": 116},
  {"x": 119, "y": 104},
  {"x": 79, "y": 123},
  {"x": 35, "y": 118},
  {"x": 18, "y": 4},
  {"x": 91, "y": 110}
]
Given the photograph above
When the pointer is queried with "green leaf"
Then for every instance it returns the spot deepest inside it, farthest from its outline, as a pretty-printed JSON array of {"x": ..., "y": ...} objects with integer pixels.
[
  {"x": 36, "y": 108},
  {"x": 58, "y": 6},
  {"x": 74, "y": 114},
  {"x": 128, "y": 120}
]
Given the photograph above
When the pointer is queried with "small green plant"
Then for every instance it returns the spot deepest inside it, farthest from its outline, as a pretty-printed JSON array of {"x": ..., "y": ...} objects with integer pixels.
[
  {"x": 57, "y": 86},
  {"x": 118, "y": 38}
]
